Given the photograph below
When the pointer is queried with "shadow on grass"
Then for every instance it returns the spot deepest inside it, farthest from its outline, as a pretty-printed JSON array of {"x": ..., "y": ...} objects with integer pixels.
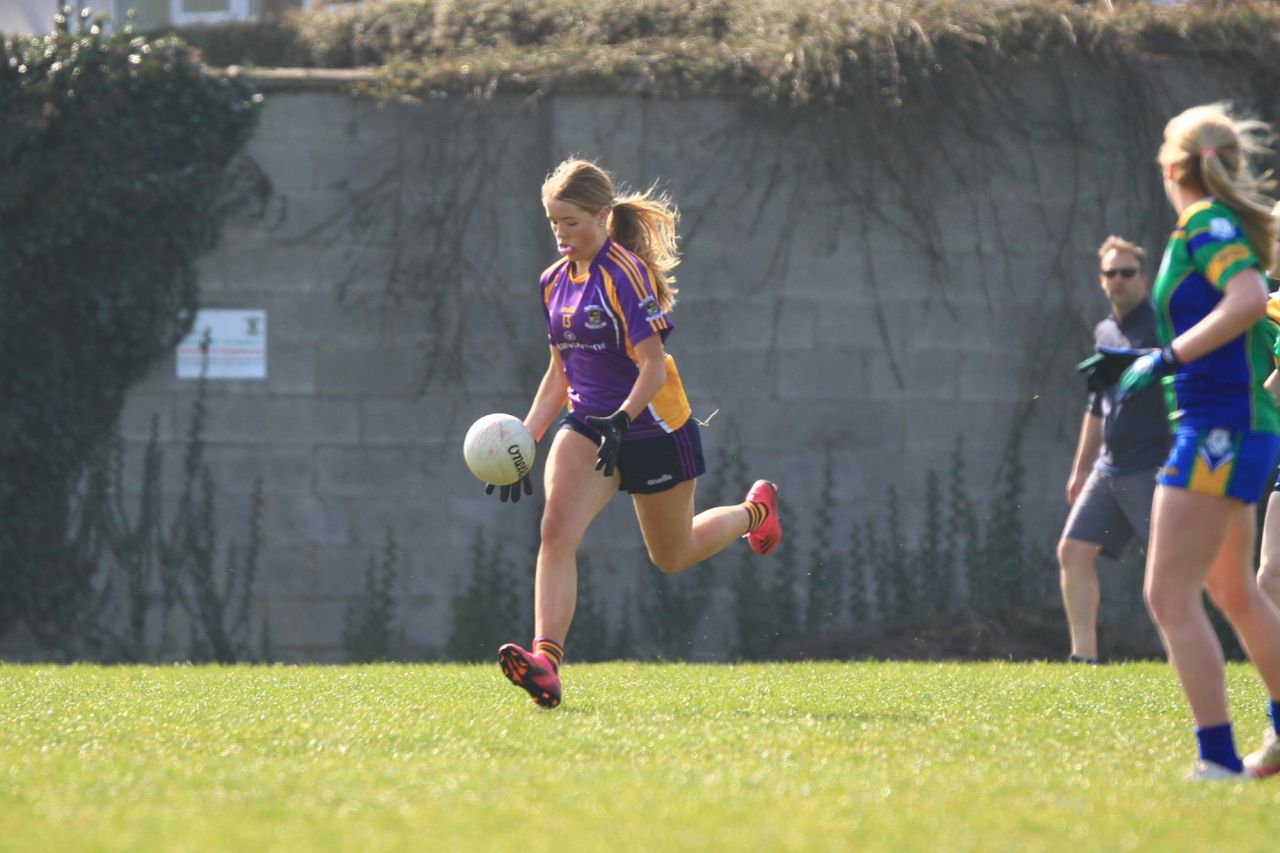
[{"x": 1023, "y": 635}]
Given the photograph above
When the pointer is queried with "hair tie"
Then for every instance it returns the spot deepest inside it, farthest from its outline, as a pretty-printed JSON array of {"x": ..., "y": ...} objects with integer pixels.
[{"x": 1207, "y": 150}]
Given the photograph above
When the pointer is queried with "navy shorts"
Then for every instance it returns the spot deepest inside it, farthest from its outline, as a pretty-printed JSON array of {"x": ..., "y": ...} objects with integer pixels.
[{"x": 651, "y": 465}]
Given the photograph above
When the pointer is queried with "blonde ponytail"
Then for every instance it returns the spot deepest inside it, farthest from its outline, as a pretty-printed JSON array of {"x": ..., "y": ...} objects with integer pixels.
[
  {"x": 1212, "y": 151},
  {"x": 645, "y": 225}
]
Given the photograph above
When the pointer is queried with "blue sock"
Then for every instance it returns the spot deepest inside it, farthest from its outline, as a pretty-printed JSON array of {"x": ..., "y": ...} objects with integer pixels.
[
  {"x": 1275, "y": 716},
  {"x": 1217, "y": 745}
]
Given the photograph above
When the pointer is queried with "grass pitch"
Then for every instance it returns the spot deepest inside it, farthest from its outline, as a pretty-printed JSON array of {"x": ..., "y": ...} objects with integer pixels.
[{"x": 823, "y": 756}]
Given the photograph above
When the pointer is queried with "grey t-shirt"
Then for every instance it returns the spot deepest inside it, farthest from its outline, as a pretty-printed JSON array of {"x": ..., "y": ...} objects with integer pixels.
[{"x": 1135, "y": 433}]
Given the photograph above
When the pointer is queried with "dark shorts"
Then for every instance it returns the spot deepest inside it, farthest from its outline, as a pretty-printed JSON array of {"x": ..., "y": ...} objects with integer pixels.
[
  {"x": 651, "y": 465},
  {"x": 1233, "y": 463},
  {"x": 1111, "y": 509}
]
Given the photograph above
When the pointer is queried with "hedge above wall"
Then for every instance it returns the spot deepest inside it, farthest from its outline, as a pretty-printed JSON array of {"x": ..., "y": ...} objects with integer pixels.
[{"x": 778, "y": 51}]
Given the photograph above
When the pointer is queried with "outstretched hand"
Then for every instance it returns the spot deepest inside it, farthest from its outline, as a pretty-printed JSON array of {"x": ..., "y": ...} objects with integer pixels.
[
  {"x": 511, "y": 491},
  {"x": 611, "y": 430},
  {"x": 1146, "y": 369}
]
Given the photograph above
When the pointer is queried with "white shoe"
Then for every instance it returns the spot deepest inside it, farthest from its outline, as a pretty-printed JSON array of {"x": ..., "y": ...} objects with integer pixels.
[
  {"x": 1211, "y": 771},
  {"x": 1266, "y": 760}
]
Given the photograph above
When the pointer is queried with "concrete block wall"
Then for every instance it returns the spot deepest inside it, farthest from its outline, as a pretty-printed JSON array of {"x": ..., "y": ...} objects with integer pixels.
[{"x": 843, "y": 296}]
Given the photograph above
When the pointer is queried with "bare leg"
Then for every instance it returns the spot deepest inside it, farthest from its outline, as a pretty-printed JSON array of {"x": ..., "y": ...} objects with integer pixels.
[
  {"x": 1080, "y": 594},
  {"x": 1253, "y": 616},
  {"x": 675, "y": 537},
  {"x": 1269, "y": 571},
  {"x": 1187, "y": 532},
  {"x": 576, "y": 493}
]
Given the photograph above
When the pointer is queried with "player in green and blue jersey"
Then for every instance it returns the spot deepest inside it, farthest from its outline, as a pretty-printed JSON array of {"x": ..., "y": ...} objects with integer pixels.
[{"x": 1211, "y": 296}]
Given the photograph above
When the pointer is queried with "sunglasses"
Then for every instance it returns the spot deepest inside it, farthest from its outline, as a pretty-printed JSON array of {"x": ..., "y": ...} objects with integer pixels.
[{"x": 1123, "y": 272}]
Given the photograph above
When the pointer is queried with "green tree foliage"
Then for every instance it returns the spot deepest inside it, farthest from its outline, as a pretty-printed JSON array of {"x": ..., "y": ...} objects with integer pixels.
[
  {"x": 879, "y": 557},
  {"x": 784, "y": 607},
  {"x": 590, "y": 638},
  {"x": 670, "y": 608},
  {"x": 826, "y": 589},
  {"x": 900, "y": 581},
  {"x": 859, "y": 594},
  {"x": 936, "y": 568},
  {"x": 160, "y": 559},
  {"x": 370, "y": 631},
  {"x": 488, "y": 611},
  {"x": 753, "y": 614},
  {"x": 901, "y": 568},
  {"x": 960, "y": 544},
  {"x": 997, "y": 582},
  {"x": 752, "y": 611},
  {"x": 219, "y": 600},
  {"x": 812, "y": 596},
  {"x": 113, "y": 152}
]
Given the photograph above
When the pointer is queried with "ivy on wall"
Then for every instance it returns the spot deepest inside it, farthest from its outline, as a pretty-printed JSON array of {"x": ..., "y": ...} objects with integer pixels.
[
  {"x": 113, "y": 157},
  {"x": 953, "y": 586}
]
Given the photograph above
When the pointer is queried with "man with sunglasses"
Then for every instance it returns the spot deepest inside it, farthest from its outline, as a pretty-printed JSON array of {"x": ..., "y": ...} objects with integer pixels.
[{"x": 1121, "y": 446}]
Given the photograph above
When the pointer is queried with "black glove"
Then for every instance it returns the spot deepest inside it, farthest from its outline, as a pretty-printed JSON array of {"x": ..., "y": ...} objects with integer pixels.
[
  {"x": 611, "y": 430},
  {"x": 511, "y": 491},
  {"x": 1103, "y": 370}
]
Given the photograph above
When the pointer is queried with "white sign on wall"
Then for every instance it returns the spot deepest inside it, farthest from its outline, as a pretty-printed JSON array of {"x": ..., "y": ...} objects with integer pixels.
[{"x": 237, "y": 345}]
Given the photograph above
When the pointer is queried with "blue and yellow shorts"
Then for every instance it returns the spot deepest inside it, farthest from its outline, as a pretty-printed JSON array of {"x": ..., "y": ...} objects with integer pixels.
[{"x": 1235, "y": 464}]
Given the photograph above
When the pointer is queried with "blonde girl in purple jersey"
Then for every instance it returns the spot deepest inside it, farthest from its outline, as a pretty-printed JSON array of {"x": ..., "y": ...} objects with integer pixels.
[{"x": 607, "y": 304}]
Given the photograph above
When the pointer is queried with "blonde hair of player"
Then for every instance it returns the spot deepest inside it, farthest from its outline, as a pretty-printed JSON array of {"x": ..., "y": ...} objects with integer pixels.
[
  {"x": 1207, "y": 148},
  {"x": 643, "y": 223}
]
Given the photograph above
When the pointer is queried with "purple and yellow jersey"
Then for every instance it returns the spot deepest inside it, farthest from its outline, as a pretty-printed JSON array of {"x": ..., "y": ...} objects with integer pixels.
[
  {"x": 1222, "y": 389},
  {"x": 594, "y": 322}
]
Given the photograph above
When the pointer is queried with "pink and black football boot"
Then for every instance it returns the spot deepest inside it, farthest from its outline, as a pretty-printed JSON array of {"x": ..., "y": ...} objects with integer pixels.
[
  {"x": 531, "y": 671},
  {"x": 768, "y": 532}
]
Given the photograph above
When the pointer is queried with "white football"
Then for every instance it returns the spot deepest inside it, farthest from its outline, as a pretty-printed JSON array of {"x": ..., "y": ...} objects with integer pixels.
[{"x": 499, "y": 449}]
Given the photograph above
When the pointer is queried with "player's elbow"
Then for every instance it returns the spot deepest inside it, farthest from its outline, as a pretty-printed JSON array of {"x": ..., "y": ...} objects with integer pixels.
[{"x": 1255, "y": 303}]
